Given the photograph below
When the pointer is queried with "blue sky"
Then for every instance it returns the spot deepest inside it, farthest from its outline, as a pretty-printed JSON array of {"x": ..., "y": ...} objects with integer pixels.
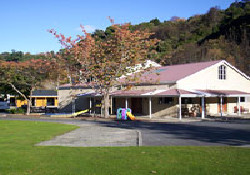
[{"x": 24, "y": 23}]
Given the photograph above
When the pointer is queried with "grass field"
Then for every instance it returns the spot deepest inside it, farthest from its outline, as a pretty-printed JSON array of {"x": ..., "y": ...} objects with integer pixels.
[{"x": 18, "y": 155}]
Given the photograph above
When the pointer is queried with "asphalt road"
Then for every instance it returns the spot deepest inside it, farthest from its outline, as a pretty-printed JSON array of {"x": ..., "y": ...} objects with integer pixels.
[{"x": 200, "y": 133}]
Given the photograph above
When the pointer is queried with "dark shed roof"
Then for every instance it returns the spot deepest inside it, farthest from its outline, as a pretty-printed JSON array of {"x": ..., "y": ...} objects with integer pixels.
[{"x": 44, "y": 93}]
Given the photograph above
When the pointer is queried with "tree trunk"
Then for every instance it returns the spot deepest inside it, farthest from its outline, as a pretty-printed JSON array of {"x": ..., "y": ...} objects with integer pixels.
[
  {"x": 28, "y": 107},
  {"x": 106, "y": 103},
  {"x": 73, "y": 100},
  {"x": 20, "y": 93},
  {"x": 29, "y": 103}
]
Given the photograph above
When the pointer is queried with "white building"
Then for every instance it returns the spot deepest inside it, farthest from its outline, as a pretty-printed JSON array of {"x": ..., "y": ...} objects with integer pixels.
[{"x": 194, "y": 90}]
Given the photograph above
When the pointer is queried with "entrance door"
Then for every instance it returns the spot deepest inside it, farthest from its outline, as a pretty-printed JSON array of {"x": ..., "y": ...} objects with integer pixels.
[
  {"x": 136, "y": 105},
  {"x": 224, "y": 105}
]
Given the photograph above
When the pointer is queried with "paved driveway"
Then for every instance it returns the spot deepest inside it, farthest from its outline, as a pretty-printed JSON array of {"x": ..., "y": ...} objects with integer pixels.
[
  {"x": 189, "y": 133},
  {"x": 202, "y": 133}
]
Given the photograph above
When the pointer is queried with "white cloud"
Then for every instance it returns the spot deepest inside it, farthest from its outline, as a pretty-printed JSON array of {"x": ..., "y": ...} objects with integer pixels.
[{"x": 88, "y": 28}]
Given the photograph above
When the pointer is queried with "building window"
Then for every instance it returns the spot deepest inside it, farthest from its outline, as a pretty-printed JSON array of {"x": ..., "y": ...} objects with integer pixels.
[
  {"x": 13, "y": 101},
  {"x": 166, "y": 100},
  {"x": 33, "y": 102},
  {"x": 222, "y": 72},
  {"x": 50, "y": 101},
  {"x": 242, "y": 99}
]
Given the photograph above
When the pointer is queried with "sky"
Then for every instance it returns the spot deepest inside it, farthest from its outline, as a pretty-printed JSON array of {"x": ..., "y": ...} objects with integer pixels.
[{"x": 24, "y": 23}]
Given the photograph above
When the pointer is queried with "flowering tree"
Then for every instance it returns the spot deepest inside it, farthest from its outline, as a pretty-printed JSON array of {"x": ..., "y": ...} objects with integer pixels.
[
  {"x": 24, "y": 77},
  {"x": 105, "y": 60}
]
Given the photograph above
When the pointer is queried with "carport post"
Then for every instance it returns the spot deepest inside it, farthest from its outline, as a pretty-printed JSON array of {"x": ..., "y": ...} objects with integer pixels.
[
  {"x": 126, "y": 103},
  {"x": 111, "y": 105},
  {"x": 203, "y": 107},
  {"x": 73, "y": 105},
  {"x": 180, "y": 107},
  {"x": 90, "y": 105},
  {"x": 94, "y": 105},
  {"x": 150, "y": 108},
  {"x": 239, "y": 106},
  {"x": 221, "y": 106}
]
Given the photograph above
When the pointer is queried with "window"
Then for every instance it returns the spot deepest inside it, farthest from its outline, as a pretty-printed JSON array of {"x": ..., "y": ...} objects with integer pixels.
[
  {"x": 242, "y": 99},
  {"x": 50, "y": 102},
  {"x": 166, "y": 100},
  {"x": 33, "y": 102},
  {"x": 12, "y": 102},
  {"x": 222, "y": 72}
]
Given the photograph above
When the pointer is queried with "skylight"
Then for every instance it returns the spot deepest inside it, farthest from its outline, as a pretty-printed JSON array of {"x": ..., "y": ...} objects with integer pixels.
[{"x": 159, "y": 70}]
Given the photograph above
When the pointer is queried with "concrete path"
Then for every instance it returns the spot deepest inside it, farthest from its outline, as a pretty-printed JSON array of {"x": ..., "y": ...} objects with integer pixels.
[{"x": 95, "y": 136}]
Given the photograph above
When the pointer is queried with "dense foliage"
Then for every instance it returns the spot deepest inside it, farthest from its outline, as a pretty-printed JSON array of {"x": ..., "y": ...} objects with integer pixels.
[
  {"x": 103, "y": 61},
  {"x": 218, "y": 34},
  {"x": 24, "y": 77},
  {"x": 19, "y": 56}
]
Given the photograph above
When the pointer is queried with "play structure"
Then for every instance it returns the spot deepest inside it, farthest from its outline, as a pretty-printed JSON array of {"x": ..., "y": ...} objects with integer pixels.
[
  {"x": 80, "y": 112},
  {"x": 84, "y": 111},
  {"x": 124, "y": 114}
]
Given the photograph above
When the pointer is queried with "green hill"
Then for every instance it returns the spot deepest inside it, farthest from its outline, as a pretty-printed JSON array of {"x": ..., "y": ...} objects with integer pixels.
[{"x": 218, "y": 34}]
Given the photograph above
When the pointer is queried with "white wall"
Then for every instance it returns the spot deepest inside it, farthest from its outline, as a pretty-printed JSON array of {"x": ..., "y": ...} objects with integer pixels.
[{"x": 207, "y": 79}]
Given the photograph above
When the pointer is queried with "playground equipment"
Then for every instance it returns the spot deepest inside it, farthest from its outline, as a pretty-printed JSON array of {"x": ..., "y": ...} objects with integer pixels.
[
  {"x": 131, "y": 116},
  {"x": 124, "y": 114},
  {"x": 84, "y": 111},
  {"x": 80, "y": 112}
]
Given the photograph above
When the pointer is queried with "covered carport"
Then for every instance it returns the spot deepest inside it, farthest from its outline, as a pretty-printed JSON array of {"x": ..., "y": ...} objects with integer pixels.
[
  {"x": 179, "y": 94},
  {"x": 149, "y": 94},
  {"x": 225, "y": 94}
]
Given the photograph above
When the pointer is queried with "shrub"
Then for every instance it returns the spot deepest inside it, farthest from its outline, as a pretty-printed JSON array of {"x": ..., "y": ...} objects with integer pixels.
[{"x": 16, "y": 111}]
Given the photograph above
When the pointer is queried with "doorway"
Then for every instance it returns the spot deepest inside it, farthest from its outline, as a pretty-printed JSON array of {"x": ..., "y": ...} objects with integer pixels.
[{"x": 136, "y": 105}]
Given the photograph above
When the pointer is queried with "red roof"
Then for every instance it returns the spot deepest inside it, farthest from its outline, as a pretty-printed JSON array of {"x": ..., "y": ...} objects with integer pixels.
[
  {"x": 224, "y": 92},
  {"x": 166, "y": 74},
  {"x": 176, "y": 92},
  {"x": 171, "y": 92},
  {"x": 130, "y": 93},
  {"x": 176, "y": 72},
  {"x": 171, "y": 74}
]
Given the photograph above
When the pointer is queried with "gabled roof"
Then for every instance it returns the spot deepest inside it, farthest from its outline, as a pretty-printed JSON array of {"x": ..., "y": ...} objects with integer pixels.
[
  {"x": 237, "y": 70},
  {"x": 171, "y": 74}
]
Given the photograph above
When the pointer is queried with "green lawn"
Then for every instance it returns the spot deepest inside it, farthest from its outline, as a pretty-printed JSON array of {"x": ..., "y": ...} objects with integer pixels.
[{"x": 18, "y": 155}]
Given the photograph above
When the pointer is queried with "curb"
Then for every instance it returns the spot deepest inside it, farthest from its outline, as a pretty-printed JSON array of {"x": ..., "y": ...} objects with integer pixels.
[{"x": 139, "y": 139}]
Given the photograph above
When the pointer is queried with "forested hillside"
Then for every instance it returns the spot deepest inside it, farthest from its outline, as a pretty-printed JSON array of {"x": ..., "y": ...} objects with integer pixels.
[
  {"x": 218, "y": 34},
  {"x": 18, "y": 56}
]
